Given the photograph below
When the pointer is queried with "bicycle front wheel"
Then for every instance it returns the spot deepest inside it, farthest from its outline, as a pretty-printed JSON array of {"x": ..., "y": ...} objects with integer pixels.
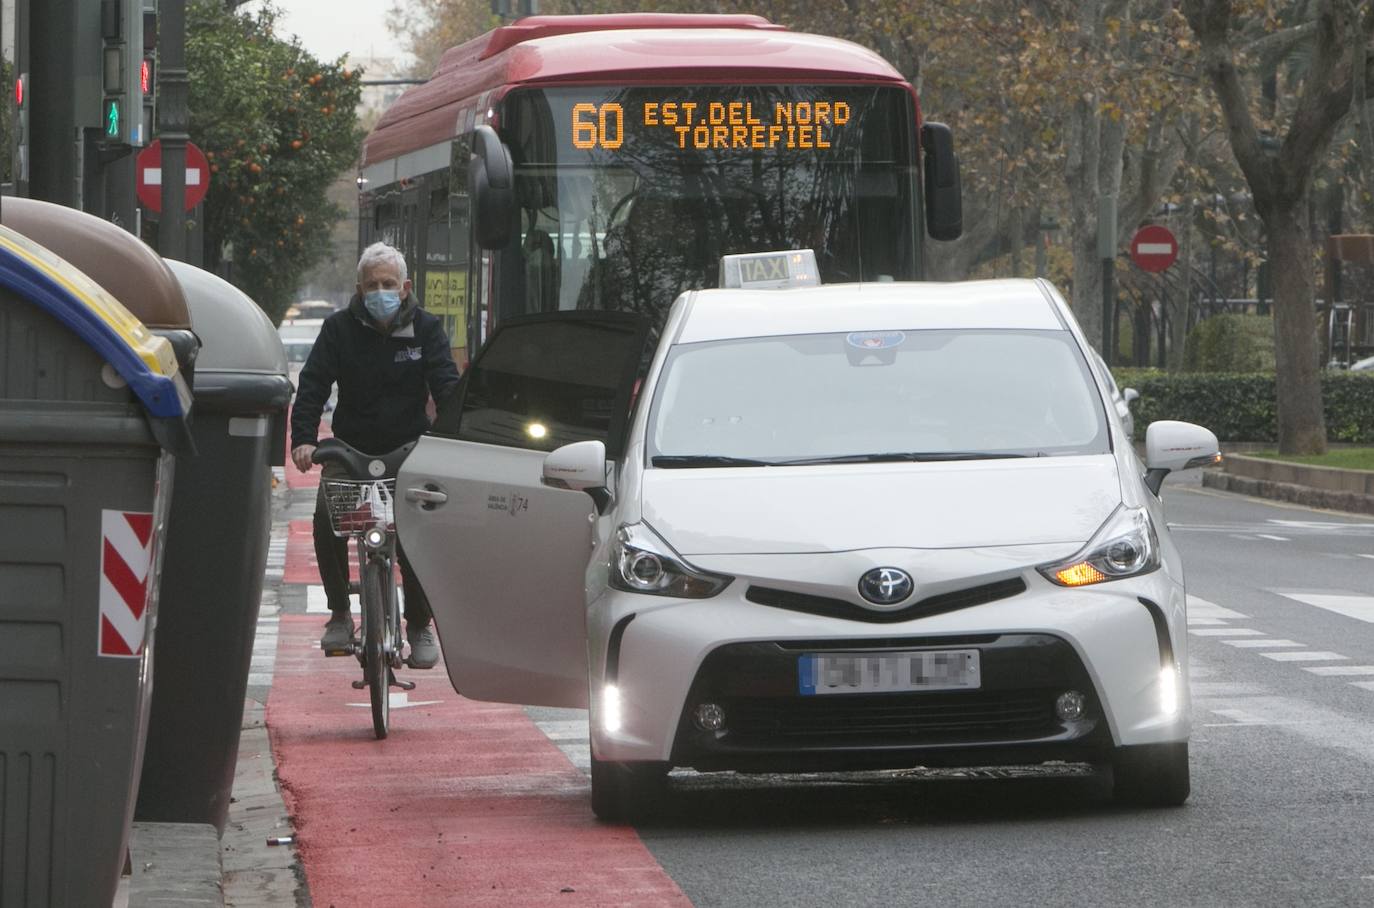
[{"x": 376, "y": 634}]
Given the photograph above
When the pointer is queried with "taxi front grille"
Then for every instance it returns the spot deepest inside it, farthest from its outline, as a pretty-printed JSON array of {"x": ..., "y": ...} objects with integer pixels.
[
  {"x": 894, "y": 719},
  {"x": 931, "y": 605}
]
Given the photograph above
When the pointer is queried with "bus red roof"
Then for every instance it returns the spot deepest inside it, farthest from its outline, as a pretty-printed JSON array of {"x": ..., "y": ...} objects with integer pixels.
[{"x": 640, "y": 48}]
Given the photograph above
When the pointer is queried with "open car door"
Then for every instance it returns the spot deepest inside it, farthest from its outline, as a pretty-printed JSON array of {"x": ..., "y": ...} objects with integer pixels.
[{"x": 502, "y": 556}]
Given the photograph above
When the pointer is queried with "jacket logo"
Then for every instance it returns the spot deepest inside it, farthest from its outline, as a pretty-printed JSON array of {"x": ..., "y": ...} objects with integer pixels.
[{"x": 409, "y": 354}]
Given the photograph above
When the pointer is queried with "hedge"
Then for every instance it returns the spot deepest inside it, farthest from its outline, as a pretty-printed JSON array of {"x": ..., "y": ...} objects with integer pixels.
[{"x": 1241, "y": 406}]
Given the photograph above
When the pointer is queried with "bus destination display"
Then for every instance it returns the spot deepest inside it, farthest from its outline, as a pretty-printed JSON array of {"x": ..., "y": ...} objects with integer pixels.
[{"x": 702, "y": 125}]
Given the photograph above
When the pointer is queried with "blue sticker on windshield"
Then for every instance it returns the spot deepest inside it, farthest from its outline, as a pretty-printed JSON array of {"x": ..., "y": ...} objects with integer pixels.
[{"x": 876, "y": 340}]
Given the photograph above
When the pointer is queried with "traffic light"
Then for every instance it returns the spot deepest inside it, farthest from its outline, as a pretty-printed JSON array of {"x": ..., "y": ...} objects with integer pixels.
[
  {"x": 21, "y": 127},
  {"x": 121, "y": 111},
  {"x": 148, "y": 69}
]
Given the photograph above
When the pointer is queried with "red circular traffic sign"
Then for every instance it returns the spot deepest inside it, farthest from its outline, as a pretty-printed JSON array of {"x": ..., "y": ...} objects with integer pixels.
[
  {"x": 1153, "y": 248},
  {"x": 148, "y": 176}
]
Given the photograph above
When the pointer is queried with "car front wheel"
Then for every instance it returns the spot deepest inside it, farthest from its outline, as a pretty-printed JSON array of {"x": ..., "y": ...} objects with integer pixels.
[{"x": 1151, "y": 775}]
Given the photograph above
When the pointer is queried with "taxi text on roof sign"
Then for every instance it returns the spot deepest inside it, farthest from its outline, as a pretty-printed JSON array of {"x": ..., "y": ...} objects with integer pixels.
[{"x": 770, "y": 270}]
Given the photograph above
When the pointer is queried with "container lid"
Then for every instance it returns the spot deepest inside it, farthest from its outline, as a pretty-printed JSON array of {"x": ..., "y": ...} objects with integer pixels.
[
  {"x": 235, "y": 334},
  {"x": 115, "y": 259},
  {"x": 140, "y": 357}
]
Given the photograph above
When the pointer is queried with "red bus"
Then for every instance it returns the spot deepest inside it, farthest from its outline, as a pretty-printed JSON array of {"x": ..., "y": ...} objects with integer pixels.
[{"x": 608, "y": 162}]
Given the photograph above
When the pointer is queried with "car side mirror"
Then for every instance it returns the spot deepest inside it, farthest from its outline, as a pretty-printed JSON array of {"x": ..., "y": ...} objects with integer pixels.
[
  {"x": 1130, "y": 395},
  {"x": 491, "y": 183},
  {"x": 1172, "y": 445},
  {"x": 580, "y": 466}
]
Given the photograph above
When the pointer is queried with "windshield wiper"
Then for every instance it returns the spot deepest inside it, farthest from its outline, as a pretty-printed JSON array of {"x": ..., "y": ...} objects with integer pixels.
[
  {"x": 902, "y": 457},
  {"x": 707, "y": 460}
]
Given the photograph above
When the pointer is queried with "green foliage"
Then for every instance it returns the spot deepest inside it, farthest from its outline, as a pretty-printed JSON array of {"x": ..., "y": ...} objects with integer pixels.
[
  {"x": 1231, "y": 343},
  {"x": 1242, "y": 406},
  {"x": 1340, "y": 458},
  {"x": 278, "y": 127}
]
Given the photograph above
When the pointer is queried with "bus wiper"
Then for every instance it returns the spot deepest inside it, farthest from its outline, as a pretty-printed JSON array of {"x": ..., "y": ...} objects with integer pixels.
[
  {"x": 902, "y": 457},
  {"x": 706, "y": 460}
]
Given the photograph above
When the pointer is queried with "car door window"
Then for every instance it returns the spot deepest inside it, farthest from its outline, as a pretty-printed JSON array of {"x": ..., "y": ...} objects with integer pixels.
[{"x": 547, "y": 380}]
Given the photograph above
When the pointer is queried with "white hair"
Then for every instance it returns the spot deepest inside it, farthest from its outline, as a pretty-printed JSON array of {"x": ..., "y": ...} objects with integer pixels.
[{"x": 381, "y": 254}]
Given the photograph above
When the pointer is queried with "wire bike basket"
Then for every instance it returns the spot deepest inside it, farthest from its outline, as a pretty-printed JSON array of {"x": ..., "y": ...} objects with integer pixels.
[{"x": 356, "y": 506}]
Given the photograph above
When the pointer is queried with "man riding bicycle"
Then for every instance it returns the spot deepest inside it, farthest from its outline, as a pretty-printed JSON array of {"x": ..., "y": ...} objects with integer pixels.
[{"x": 388, "y": 357}]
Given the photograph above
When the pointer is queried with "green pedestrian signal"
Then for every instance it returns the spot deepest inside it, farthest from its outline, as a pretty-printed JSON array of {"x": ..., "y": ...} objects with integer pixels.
[{"x": 112, "y": 118}]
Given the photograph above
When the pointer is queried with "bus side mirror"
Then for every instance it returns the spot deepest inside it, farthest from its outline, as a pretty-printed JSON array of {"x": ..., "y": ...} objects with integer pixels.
[
  {"x": 491, "y": 183},
  {"x": 944, "y": 204}
]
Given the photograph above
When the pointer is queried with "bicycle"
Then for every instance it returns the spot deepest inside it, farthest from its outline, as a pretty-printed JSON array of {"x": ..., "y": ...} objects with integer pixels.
[{"x": 362, "y": 507}]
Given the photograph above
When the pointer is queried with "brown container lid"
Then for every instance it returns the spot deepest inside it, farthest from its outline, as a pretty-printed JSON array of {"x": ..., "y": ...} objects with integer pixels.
[{"x": 115, "y": 259}]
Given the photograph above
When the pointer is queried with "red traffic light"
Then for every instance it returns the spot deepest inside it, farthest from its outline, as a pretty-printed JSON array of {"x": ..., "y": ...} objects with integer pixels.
[
  {"x": 19, "y": 91},
  {"x": 145, "y": 76}
]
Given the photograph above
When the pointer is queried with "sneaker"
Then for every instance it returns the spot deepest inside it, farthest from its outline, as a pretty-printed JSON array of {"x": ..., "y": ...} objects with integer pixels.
[
  {"x": 338, "y": 633},
  {"x": 424, "y": 646}
]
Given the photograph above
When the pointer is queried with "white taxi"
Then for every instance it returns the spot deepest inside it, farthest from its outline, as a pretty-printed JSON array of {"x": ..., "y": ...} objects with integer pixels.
[{"x": 836, "y": 528}]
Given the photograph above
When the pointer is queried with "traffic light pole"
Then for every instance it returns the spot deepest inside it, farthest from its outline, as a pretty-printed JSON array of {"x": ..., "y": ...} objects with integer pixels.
[
  {"x": 55, "y": 139},
  {"x": 174, "y": 123}
]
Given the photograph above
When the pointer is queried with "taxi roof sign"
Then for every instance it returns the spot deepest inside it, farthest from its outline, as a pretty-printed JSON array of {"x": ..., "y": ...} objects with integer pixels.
[{"x": 770, "y": 270}]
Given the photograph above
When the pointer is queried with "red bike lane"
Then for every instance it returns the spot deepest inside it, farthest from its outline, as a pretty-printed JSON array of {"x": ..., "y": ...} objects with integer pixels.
[{"x": 465, "y": 803}]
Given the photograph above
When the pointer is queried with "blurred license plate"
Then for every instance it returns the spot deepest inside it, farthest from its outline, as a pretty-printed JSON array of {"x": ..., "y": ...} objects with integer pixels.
[{"x": 870, "y": 673}]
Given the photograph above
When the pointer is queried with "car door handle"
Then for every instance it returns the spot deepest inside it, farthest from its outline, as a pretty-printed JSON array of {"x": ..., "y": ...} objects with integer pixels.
[{"x": 427, "y": 497}]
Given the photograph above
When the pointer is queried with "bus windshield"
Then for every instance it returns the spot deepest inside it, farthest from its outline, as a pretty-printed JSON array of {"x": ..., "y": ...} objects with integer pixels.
[{"x": 629, "y": 196}]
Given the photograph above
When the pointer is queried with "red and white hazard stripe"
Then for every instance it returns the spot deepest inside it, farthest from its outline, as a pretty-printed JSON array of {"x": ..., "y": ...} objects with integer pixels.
[{"x": 125, "y": 558}]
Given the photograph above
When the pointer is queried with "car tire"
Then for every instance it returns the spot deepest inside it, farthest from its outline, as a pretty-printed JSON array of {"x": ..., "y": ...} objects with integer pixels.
[
  {"x": 1151, "y": 775},
  {"x": 626, "y": 793}
]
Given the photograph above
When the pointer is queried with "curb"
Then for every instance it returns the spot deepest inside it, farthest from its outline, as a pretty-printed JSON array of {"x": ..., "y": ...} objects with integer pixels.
[
  {"x": 175, "y": 864},
  {"x": 1307, "y": 496}
]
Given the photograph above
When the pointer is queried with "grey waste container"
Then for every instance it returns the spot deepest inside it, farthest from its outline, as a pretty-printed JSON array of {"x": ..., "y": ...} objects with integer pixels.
[
  {"x": 92, "y": 409},
  {"x": 217, "y": 543}
]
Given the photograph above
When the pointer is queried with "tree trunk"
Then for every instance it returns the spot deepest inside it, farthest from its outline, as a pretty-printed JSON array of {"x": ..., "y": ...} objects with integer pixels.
[{"x": 1301, "y": 423}]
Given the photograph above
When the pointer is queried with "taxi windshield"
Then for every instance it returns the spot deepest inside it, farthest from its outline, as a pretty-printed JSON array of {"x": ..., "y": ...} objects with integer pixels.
[{"x": 875, "y": 396}]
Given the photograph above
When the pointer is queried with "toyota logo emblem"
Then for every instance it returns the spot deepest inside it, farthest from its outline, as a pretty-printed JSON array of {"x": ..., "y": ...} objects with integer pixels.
[{"x": 885, "y": 586}]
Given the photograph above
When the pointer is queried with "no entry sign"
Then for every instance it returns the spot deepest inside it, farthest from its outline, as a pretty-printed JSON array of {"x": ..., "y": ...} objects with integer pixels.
[
  {"x": 148, "y": 176},
  {"x": 1153, "y": 248}
]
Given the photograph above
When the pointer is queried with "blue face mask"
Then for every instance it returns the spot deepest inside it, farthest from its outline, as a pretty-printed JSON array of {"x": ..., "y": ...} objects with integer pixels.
[{"x": 382, "y": 304}]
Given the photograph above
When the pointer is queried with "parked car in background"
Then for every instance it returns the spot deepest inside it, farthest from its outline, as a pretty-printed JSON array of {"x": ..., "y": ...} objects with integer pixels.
[
  {"x": 298, "y": 337},
  {"x": 310, "y": 309}
]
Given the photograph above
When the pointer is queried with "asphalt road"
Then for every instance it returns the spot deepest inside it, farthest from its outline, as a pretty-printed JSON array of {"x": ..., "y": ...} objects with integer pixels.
[{"x": 1282, "y": 658}]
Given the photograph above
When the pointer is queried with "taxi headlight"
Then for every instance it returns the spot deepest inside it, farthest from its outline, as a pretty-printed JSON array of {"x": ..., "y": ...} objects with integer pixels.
[
  {"x": 641, "y": 562},
  {"x": 1125, "y": 546}
]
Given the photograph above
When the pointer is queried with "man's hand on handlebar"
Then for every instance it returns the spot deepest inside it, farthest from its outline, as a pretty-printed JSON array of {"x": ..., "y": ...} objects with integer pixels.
[{"x": 301, "y": 456}]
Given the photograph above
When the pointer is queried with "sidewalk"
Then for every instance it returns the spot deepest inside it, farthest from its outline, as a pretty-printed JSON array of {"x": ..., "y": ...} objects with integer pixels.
[{"x": 178, "y": 864}]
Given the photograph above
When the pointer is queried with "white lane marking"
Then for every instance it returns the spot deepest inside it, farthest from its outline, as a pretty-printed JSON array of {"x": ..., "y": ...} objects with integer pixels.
[
  {"x": 1204, "y": 622},
  {"x": 315, "y": 601},
  {"x": 1241, "y": 537},
  {"x": 1225, "y": 632},
  {"x": 1364, "y": 555},
  {"x": 1305, "y": 656},
  {"x": 1262, "y": 644},
  {"x": 1340, "y": 669},
  {"x": 398, "y": 699},
  {"x": 1275, "y": 538},
  {"x": 1367, "y": 685},
  {"x": 1350, "y": 605},
  {"x": 1203, "y": 608},
  {"x": 1241, "y": 717},
  {"x": 1203, "y": 689}
]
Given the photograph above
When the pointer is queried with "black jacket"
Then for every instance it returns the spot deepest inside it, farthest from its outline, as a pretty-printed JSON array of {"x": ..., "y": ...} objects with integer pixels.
[{"x": 384, "y": 376}]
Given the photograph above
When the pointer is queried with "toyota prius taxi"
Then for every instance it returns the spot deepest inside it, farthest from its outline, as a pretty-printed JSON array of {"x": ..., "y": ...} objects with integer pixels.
[{"x": 847, "y": 527}]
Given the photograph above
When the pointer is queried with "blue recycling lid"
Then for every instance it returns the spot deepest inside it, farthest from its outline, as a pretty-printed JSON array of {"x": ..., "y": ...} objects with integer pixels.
[{"x": 144, "y": 360}]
